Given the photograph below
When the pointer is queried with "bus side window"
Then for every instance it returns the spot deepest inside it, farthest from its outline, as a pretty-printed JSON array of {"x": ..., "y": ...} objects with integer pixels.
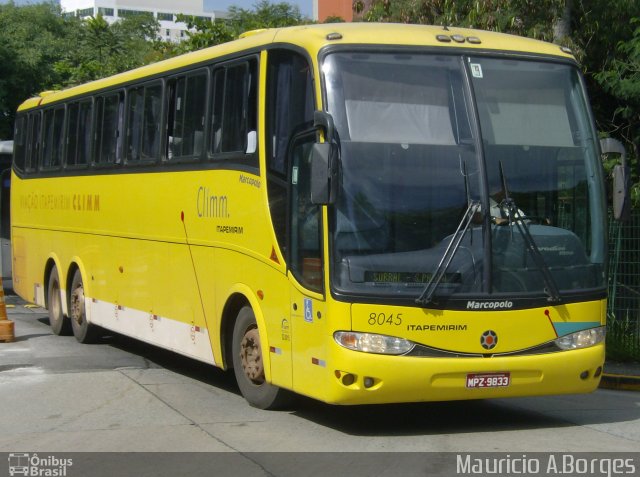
[
  {"x": 290, "y": 106},
  {"x": 305, "y": 254},
  {"x": 85, "y": 117},
  {"x": 33, "y": 146},
  {"x": 20, "y": 143},
  {"x": 151, "y": 122},
  {"x": 234, "y": 109},
  {"x": 109, "y": 123},
  {"x": 78, "y": 133},
  {"x": 135, "y": 99},
  {"x": 143, "y": 123},
  {"x": 53, "y": 138},
  {"x": 186, "y": 120}
]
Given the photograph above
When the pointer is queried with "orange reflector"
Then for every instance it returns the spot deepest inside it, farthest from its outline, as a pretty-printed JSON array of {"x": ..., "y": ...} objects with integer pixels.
[{"x": 274, "y": 255}]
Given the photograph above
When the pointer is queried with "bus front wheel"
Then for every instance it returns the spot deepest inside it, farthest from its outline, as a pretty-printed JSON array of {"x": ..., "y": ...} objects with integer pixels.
[
  {"x": 59, "y": 323},
  {"x": 84, "y": 331},
  {"x": 248, "y": 365}
]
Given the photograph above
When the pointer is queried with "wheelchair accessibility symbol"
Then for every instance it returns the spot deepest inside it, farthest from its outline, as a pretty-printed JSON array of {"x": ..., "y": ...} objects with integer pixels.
[{"x": 308, "y": 310}]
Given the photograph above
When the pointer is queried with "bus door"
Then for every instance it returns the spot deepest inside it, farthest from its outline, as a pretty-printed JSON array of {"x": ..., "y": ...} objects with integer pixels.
[
  {"x": 297, "y": 222},
  {"x": 308, "y": 306}
]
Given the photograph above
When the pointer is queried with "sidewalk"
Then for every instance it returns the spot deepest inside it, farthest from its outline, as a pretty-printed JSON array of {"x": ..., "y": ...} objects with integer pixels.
[{"x": 621, "y": 376}]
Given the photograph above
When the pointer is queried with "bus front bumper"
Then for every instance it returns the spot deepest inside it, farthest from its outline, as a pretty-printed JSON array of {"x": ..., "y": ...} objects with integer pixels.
[{"x": 362, "y": 378}]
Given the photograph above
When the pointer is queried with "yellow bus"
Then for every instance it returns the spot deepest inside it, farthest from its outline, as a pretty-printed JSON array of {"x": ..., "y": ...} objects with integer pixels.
[{"x": 357, "y": 213}]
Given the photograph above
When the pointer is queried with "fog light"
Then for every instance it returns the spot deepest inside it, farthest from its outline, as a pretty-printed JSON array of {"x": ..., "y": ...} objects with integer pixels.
[
  {"x": 598, "y": 372},
  {"x": 368, "y": 382},
  {"x": 584, "y": 375},
  {"x": 348, "y": 379}
]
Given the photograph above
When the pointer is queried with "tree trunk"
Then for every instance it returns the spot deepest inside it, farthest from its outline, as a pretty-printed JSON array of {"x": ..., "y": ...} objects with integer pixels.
[{"x": 562, "y": 26}]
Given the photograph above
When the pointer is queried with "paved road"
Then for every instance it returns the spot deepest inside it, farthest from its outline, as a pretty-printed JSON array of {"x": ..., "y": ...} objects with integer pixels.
[{"x": 120, "y": 395}]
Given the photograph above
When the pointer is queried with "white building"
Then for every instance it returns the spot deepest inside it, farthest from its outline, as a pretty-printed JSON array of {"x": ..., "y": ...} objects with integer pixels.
[{"x": 164, "y": 11}]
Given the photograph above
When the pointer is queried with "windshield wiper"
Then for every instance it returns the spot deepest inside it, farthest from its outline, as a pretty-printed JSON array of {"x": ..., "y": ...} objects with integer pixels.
[
  {"x": 447, "y": 257},
  {"x": 516, "y": 218}
]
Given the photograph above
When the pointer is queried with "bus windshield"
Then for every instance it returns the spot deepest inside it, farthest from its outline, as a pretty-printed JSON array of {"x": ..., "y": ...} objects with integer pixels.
[{"x": 423, "y": 136}]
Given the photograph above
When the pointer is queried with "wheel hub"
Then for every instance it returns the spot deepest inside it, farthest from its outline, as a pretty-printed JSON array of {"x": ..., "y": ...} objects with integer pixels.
[
  {"x": 251, "y": 356},
  {"x": 77, "y": 305}
]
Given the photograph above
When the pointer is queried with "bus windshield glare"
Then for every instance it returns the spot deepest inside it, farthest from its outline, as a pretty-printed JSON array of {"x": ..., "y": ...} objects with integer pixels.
[{"x": 423, "y": 136}]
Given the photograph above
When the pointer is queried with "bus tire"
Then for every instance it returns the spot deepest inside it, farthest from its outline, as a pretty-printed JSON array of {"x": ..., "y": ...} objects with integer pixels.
[
  {"x": 248, "y": 365},
  {"x": 59, "y": 323},
  {"x": 84, "y": 331}
]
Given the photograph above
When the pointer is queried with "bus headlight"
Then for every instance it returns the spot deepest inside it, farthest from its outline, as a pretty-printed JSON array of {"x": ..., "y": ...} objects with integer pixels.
[
  {"x": 372, "y": 343},
  {"x": 582, "y": 339}
]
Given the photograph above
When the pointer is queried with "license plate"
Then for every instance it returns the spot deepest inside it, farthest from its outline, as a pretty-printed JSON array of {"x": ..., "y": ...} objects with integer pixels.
[{"x": 488, "y": 380}]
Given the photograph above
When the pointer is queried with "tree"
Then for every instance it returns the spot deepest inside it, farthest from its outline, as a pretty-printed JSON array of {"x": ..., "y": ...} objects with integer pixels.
[
  {"x": 521, "y": 17},
  {"x": 103, "y": 49},
  {"x": 240, "y": 20},
  {"x": 42, "y": 49},
  {"x": 32, "y": 39}
]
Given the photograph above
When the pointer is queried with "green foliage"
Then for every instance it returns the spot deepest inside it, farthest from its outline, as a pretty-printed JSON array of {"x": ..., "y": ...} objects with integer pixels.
[
  {"x": 42, "y": 49},
  {"x": 203, "y": 34},
  {"x": 522, "y": 17},
  {"x": 102, "y": 49},
  {"x": 620, "y": 79},
  {"x": 32, "y": 38},
  {"x": 334, "y": 19},
  {"x": 263, "y": 15}
]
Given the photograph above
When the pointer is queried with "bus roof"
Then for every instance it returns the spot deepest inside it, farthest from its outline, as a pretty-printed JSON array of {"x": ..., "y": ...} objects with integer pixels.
[{"x": 313, "y": 38}]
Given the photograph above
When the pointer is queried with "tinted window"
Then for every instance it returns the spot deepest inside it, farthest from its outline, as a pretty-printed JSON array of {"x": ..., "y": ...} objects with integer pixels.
[
  {"x": 234, "y": 111},
  {"x": 33, "y": 146},
  {"x": 79, "y": 133},
  {"x": 187, "y": 101},
  {"x": 290, "y": 107},
  {"x": 20, "y": 143},
  {"x": 289, "y": 103},
  {"x": 109, "y": 119},
  {"x": 144, "y": 117},
  {"x": 53, "y": 138}
]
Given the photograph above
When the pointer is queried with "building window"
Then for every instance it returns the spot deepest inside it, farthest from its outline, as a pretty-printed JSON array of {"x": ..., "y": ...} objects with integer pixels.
[
  {"x": 85, "y": 12},
  {"x": 105, "y": 12},
  {"x": 123, "y": 12},
  {"x": 167, "y": 17}
]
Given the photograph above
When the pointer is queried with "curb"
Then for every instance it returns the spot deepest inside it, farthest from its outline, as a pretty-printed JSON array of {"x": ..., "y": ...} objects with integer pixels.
[{"x": 620, "y": 382}]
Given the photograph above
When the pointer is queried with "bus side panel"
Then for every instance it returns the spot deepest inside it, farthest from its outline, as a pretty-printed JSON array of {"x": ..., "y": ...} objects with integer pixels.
[{"x": 236, "y": 271}]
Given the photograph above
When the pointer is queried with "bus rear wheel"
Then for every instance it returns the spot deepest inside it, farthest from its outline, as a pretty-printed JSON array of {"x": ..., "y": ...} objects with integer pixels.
[
  {"x": 59, "y": 323},
  {"x": 84, "y": 331},
  {"x": 248, "y": 365}
]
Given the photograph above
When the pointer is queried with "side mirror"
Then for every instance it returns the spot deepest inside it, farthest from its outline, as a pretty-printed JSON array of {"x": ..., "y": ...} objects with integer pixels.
[
  {"x": 621, "y": 179},
  {"x": 324, "y": 162}
]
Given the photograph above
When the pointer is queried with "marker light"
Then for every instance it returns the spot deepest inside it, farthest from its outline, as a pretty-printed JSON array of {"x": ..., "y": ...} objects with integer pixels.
[
  {"x": 371, "y": 343},
  {"x": 582, "y": 339}
]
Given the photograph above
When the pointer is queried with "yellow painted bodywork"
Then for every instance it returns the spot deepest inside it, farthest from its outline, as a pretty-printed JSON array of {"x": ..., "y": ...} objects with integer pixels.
[{"x": 183, "y": 244}]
